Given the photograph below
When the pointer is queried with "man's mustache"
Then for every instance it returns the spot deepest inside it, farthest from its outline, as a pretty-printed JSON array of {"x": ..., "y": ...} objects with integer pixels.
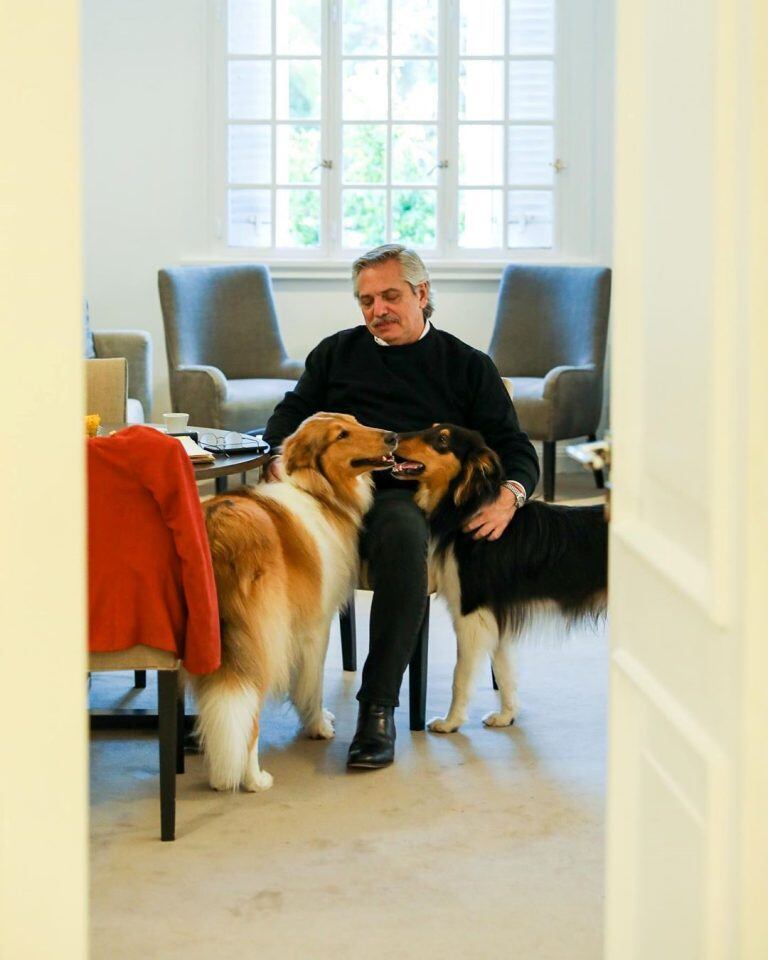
[{"x": 385, "y": 319}]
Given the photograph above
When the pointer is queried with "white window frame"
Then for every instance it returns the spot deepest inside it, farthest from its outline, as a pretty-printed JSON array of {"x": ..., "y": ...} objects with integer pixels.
[{"x": 574, "y": 192}]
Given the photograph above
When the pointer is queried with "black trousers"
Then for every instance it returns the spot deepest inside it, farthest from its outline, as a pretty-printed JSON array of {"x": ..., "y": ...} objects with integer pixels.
[{"x": 394, "y": 542}]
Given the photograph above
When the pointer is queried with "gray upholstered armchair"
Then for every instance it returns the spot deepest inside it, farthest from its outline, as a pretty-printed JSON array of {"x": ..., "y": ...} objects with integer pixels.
[
  {"x": 549, "y": 340},
  {"x": 227, "y": 364},
  {"x": 136, "y": 347}
]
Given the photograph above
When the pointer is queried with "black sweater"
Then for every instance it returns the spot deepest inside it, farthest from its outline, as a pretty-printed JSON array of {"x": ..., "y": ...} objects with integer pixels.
[{"x": 437, "y": 379}]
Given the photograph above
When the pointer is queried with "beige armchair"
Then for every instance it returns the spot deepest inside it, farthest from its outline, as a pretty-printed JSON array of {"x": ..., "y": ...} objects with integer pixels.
[
  {"x": 136, "y": 347},
  {"x": 106, "y": 388}
]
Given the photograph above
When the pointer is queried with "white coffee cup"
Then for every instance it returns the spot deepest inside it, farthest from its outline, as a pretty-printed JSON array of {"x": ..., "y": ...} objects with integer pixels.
[{"x": 176, "y": 422}]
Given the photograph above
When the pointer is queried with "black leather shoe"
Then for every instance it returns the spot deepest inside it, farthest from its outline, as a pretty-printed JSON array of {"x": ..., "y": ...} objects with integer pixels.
[{"x": 373, "y": 745}]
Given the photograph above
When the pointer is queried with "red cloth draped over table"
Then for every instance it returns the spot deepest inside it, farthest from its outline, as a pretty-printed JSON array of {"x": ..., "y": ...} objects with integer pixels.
[{"x": 150, "y": 578}]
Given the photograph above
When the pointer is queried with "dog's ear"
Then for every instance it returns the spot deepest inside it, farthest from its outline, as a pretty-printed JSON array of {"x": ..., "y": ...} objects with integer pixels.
[
  {"x": 302, "y": 449},
  {"x": 481, "y": 476},
  {"x": 302, "y": 453}
]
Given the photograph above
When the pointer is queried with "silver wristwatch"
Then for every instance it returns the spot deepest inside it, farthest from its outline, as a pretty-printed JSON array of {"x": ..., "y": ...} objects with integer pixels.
[{"x": 517, "y": 490}]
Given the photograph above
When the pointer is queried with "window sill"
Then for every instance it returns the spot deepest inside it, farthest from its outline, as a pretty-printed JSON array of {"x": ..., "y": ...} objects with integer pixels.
[{"x": 439, "y": 270}]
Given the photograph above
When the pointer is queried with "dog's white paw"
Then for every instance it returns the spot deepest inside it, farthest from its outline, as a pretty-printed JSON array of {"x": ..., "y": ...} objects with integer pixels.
[
  {"x": 221, "y": 787},
  {"x": 329, "y": 716},
  {"x": 443, "y": 725},
  {"x": 323, "y": 730},
  {"x": 503, "y": 719},
  {"x": 258, "y": 781}
]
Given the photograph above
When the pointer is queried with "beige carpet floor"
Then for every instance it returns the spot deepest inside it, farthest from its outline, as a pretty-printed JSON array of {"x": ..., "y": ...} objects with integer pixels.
[{"x": 479, "y": 844}]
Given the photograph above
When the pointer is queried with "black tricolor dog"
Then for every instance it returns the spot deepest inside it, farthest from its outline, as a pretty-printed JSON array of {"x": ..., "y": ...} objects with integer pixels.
[{"x": 547, "y": 556}]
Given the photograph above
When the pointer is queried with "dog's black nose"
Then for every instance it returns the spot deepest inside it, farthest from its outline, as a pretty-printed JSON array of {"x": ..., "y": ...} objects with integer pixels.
[{"x": 391, "y": 439}]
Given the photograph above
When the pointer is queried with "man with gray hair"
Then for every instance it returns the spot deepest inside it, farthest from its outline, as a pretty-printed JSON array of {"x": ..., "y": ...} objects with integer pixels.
[{"x": 399, "y": 372}]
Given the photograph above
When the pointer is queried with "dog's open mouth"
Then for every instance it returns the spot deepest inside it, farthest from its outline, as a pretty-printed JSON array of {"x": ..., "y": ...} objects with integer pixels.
[
  {"x": 376, "y": 463},
  {"x": 405, "y": 469}
]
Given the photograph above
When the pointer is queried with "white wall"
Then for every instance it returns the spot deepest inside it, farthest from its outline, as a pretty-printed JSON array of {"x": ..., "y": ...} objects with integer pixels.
[
  {"x": 145, "y": 88},
  {"x": 144, "y": 157}
]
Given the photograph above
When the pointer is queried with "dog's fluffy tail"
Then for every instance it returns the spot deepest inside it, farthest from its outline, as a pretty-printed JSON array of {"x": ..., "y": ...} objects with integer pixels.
[{"x": 227, "y": 725}]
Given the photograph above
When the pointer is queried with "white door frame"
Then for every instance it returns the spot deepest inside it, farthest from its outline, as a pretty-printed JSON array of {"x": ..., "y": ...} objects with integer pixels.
[
  {"x": 43, "y": 736},
  {"x": 687, "y": 862}
]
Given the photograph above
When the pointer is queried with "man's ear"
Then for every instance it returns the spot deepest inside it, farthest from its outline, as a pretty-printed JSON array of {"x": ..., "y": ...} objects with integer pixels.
[{"x": 481, "y": 474}]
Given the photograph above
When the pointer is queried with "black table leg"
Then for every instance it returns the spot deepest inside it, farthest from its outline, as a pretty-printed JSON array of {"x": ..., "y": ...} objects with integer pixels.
[
  {"x": 549, "y": 469},
  {"x": 598, "y": 474}
]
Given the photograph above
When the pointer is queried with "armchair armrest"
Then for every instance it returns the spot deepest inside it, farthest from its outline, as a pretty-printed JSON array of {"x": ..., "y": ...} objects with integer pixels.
[
  {"x": 564, "y": 380},
  {"x": 200, "y": 390},
  {"x": 136, "y": 347},
  {"x": 575, "y": 395},
  {"x": 291, "y": 369}
]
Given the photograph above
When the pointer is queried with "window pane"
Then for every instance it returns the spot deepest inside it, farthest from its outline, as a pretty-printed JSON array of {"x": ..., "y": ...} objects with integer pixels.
[
  {"x": 481, "y": 90},
  {"x": 481, "y": 155},
  {"x": 298, "y": 26},
  {"x": 364, "y": 26},
  {"x": 298, "y": 218},
  {"x": 532, "y": 26},
  {"x": 530, "y": 218},
  {"x": 414, "y": 27},
  {"x": 250, "y": 153},
  {"x": 298, "y": 89},
  {"x": 531, "y": 153},
  {"x": 249, "y": 26},
  {"x": 413, "y": 217},
  {"x": 531, "y": 90},
  {"x": 414, "y": 154},
  {"x": 481, "y": 27},
  {"x": 414, "y": 89},
  {"x": 365, "y": 90},
  {"x": 480, "y": 218},
  {"x": 250, "y": 219},
  {"x": 250, "y": 90},
  {"x": 298, "y": 154},
  {"x": 365, "y": 153},
  {"x": 363, "y": 218}
]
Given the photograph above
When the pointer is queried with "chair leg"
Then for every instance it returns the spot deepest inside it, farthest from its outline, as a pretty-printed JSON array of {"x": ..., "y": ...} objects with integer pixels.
[
  {"x": 549, "y": 469},
  {"x": 167, "y": 719},
  {"x": 493, "y": 679},
  {"x": 348, "y": 635},
  {"x": 180, "y": 725},
  {"x": 598, "y": 474},
  {"x": 417, "y": 675},
  {"x": 139, "y": 678}
]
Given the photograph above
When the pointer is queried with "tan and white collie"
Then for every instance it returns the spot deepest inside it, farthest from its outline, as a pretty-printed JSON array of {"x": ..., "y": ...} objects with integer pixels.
[{"x": 285, "y": 559}]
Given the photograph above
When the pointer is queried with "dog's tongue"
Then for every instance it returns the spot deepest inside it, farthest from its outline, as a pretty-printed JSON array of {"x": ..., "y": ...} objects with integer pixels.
[{"x": 406, "y": 466}]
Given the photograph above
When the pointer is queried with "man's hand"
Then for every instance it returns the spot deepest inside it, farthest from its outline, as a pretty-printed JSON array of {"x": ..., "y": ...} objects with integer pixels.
[
  {"x": 491, "y": 520},
  {"x": 274, "y": 470}
]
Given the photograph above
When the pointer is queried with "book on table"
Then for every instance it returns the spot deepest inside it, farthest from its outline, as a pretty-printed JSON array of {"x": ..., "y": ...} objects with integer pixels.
[{"x": 194, "y": 451}]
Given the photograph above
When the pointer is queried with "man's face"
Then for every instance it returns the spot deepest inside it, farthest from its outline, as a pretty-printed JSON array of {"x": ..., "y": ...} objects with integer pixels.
[{"x": 392, "y": 311}]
